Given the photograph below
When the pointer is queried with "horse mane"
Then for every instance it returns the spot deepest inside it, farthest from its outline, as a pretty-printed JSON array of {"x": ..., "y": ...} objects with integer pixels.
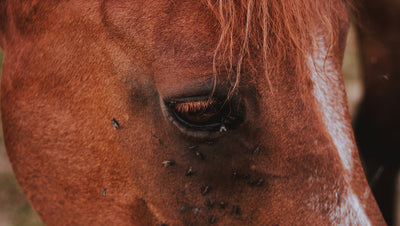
[{"x": 277, "y": 32}]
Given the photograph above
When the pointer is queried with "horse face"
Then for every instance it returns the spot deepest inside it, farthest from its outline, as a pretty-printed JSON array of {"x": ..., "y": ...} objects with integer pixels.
[{"x": 121, "y": 111}]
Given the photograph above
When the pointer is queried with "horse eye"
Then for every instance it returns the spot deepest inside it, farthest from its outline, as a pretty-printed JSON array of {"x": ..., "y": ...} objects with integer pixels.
[
  {"x": 207, "y": 114},
  {"x": 198, "y": 112}
]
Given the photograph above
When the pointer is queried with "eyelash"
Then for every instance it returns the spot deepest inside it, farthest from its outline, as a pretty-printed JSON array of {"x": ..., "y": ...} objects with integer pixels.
[{"x": 195, "y": 106}]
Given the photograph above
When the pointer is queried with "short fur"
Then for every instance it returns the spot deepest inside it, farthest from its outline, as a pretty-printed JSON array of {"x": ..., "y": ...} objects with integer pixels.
[{"x": 72, "y": 69}]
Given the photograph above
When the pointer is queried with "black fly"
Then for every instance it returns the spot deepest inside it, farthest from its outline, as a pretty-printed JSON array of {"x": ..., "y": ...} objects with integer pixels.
[
  {"x": 256, "y": 151},
  {"x": 213, "y": 219},
  {"x": 199, "y": 155},
  {"x": 222, "y": 204},
  {"x": 189, "y": 172},
  {"x": 168, "y": 163},
  {"x": 205, "y": 190},
  {"x": 115, "y": 123}
]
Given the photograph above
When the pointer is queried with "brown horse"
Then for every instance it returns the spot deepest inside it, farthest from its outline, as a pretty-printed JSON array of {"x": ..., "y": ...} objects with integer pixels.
[{"x": 181, "y": 112}]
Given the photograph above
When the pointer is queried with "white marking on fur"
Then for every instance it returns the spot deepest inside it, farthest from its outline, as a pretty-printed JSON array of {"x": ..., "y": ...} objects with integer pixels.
[
  {"x": 331, "y": 99},
  {"x": 350, "y": 212},
  {"x": 330, "y": 95},
  {"x": 342, "y": 205}
]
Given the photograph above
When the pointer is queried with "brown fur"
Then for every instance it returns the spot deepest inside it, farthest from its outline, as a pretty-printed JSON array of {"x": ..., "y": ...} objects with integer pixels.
[{"x": 70, "y": 67}]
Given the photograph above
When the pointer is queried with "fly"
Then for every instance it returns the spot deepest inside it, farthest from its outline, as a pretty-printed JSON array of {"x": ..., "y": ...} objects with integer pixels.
[{"x": 115, "y": 123}]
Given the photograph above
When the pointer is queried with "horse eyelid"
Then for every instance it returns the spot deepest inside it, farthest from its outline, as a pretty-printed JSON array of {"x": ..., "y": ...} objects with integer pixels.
[{"x": 193, "y": 106}]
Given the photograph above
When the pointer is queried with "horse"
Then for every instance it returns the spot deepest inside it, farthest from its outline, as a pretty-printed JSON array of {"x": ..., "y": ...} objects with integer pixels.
[
  {"x": 181, "y": 112},
  {"x": 377, "y": 124}
]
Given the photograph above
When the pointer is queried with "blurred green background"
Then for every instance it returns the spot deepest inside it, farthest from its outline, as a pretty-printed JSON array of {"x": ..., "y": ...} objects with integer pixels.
[{"x": 16, "y": 210}]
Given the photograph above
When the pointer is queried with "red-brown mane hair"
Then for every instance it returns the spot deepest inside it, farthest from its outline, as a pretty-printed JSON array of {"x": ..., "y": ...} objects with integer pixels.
[{"x": 273, "y": 31}]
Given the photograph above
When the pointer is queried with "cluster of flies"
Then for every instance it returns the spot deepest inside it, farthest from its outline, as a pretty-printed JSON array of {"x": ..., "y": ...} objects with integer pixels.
[{"x": 207, "y": 188}]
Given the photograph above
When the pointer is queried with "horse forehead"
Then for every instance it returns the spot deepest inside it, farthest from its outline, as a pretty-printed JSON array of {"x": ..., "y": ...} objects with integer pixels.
[
  {"x": 176, "y": 35},
  {"x": 174, "y": 22}
]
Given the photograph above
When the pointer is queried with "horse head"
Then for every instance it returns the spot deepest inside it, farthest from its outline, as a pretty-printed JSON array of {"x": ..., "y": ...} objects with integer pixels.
[{"x": 181, "y": 112}]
